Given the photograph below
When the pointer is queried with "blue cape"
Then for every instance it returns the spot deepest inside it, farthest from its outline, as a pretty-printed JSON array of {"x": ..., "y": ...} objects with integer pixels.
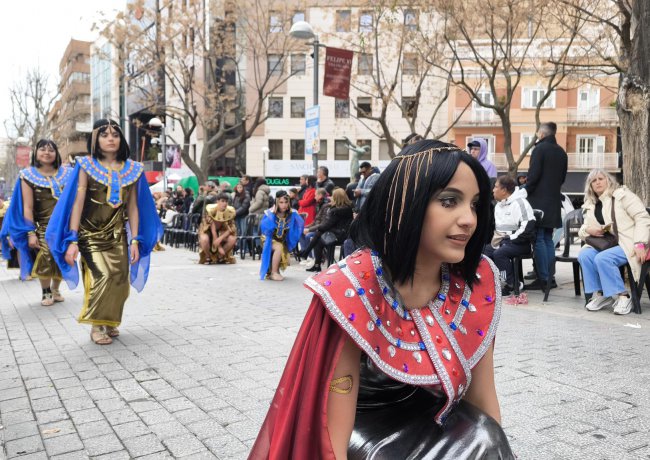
[
  {"x": 59, "y": 235},
  {"x": 14, "y": 225},
  {"x": 267, "y": 227}
]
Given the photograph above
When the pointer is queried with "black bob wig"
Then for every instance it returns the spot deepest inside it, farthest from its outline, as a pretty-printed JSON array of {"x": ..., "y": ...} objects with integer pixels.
[
  {"x": 398, "y": 249},
  {"x": 101, "y": 126},
  {"x": 45, "y": 143}
]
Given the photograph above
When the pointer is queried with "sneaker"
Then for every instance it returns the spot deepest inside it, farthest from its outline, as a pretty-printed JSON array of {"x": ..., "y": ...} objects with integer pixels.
[
  {"x": 598, "y": 302},
  {"x": 623, "y": 305},
  {"x": 530, "y": 276}
]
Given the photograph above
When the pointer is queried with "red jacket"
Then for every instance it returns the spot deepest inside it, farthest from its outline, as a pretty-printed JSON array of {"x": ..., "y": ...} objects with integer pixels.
[{"x": 308, "y": 205}]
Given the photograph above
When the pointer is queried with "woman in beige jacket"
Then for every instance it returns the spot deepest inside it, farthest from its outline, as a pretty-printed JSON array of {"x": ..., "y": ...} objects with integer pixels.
[{"x": 600, "y": 270}]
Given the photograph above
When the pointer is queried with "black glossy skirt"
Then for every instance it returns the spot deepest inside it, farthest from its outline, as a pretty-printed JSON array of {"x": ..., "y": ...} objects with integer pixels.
[{"x": 396, "y": 421}]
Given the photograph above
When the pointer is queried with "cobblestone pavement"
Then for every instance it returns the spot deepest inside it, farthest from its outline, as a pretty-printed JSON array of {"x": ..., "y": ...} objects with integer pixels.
[{"x": 202, "y": 349}]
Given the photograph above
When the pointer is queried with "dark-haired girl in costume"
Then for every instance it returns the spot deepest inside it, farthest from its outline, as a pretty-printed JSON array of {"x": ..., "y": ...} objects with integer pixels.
[
  {"x": 36, "y": 192},
  {"x": 394, "y": 356},
  {"x": 107, "y": 215},
  {"x": 281, "y": 229}
]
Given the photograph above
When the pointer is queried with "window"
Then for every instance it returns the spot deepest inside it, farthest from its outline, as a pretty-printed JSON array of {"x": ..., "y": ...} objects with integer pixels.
[
  {"x": 588, "y": 98},
  {"x": 341, "y": 151},
  {"x": 298, "y": 16},
  {"x": 297, "y": 149},
  {"x": 532, "y": 96},
  {"x": 274, "y": 64},
  {"x": 526, "y": 138},
  {"x": 275, "y": 149},
  {"x": 409, "y": 107},
  {"x": 323, "y": 149},
  {"x": 364, "y": 107},
  {"x": 591, "y": 144},
  {"x": 79, "y": 76},
  {"x": 410, "y": 64},
  {"x": 363, "y": 143},
  {"x": 343, "y": 20},
  {"x": 480, "y": 113},
  {"x": 276, "y": 107},
  {"x": 275, "y": 22},
  {"x": 341, "y": 108},
  {"x": 365, "y": 64},
  {"x": 298, "y": 64},
  {"x": 383, "y": 150},
  {"x": 365, "y": 21},
  {"x": 297, "y": 107},
  {"x": 411, "y": 19}
]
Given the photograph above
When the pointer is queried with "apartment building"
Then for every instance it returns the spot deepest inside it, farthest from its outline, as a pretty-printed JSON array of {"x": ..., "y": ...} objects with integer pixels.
[
  {"x": 70, "y": 116},
  {"x": 277, "y": 148}
]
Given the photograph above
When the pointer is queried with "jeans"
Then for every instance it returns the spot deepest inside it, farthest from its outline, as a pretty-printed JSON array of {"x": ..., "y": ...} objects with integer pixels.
[
  {"x": 600, "y": 270},
  {"x": 544, "y": 253},
  {"x": 305, "y": 240},
  {"x": 502, "y": 258},
  {"x": 240, "y": 223}
]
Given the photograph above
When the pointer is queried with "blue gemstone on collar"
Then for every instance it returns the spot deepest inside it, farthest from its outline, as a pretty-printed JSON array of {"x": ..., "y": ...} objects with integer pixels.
[
  {"x": 453, "y": 326},
  {"x": 378, "y": 322},
  {"x": 421, "y": 344},
  {"x": 374, "y": 253},
  {"x": 442, "y": 297},
  {"x": 395, "y": 304},
  {"x": 399, "y": 343},
  {"x": 361, "y": 291},
  {"x": 385, "y": 290},
  {"x": 445, "y": 277},
  {"x": 464, "y": 302},
  {"x": 379, "y": 271}
]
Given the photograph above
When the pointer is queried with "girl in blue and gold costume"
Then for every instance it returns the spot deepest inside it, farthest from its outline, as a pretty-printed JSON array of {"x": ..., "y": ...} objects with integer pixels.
[
  {"x": 281, "y": 230},
  {"x": 107, "y": 215},
  {"x": 36, "y": 192}
]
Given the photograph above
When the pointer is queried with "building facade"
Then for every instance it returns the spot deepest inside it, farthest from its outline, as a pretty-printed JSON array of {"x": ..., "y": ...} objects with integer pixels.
[{"x": 70, "y": 117}]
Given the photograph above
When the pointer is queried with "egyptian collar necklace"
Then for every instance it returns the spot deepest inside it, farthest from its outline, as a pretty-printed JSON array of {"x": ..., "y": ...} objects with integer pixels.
[
  {"x": 55, "y": 183},
  {"x": 112, "y": 178}
]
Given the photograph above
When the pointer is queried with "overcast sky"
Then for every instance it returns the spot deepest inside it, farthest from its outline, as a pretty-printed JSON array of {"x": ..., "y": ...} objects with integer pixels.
[{"x": 35, "y": 33}]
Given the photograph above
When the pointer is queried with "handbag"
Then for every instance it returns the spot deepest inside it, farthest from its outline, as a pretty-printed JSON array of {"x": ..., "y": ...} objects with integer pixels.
[
  {"x": 608, "y": 240},
  {"x": 328, "y": 238}
]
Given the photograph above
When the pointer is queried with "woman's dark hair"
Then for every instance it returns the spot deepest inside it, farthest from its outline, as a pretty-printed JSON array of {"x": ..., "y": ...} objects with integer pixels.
[
  {"x": 189, "y": 191},
  {"x": 241, "y": 193},
  {"x": 506, "y": 182},
  {"x": 258, "y": 183},
  {"x": 101, "y": 126},
  {"x": 282, "y": 194},
  {"x": 398, "y": 249},
  {"x": 223, "y": 197},
  {"x": 311, "y": 181},
  {"x": 45, "y": 143}
]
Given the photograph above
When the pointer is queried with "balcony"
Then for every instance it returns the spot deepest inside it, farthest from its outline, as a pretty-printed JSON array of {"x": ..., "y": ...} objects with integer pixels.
[
  {"x": 597, "y": 116},
  {"x": 577, "y": 161},
  {"x": 471, "y": 117}
]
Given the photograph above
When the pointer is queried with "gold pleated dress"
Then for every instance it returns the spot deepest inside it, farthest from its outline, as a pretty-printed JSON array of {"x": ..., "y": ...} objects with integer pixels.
[
  {"x": 44, "y": 265},
  {"x": 104, "y": 253},
  {"x": 225, "y": 220}
]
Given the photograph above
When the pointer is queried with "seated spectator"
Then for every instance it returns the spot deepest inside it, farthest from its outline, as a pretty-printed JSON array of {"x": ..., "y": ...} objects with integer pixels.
[
  {"x": 337, "y": 221},
  {"x": 514, "y": 229},
  {"x": 241, "y": 202},
  {"x": 260, "y": 197},
  {"x": 322, "y": 206},
  {"x": 308, "y": 201},
  {"x": 600, "y": 269},
  {"x": 168, "y": 217},
  {"x": 293, "y": 196},
  {"x": 351, "y": 187},
  {"x": 217, "y": 233},
  {"x": 323, "y": 180},
  {"x": 369, "y": 177},
  {"x": 199, "y": 204},
  {"x": 188, "y": 200}
]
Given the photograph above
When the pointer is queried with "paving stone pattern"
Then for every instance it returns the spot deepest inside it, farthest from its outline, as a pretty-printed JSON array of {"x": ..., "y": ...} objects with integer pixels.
[{"x": 203, "y": 347}]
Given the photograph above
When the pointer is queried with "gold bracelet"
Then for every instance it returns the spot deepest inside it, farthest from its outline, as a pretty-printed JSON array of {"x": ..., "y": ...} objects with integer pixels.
[
  {"x": 134, "y": 242},
  {"x": 74, "y": 242},
  {"x": 342, "y": 391},
  {"x": 31, "y": 233}
]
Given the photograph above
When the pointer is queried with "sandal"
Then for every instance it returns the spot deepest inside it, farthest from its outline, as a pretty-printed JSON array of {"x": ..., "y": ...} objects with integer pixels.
[
  {"x": 47, "y": 300},
  {"x": 98, "y": 336},
  {"x": 56, "y": 295},
  {"x": 112, "y": 331}
]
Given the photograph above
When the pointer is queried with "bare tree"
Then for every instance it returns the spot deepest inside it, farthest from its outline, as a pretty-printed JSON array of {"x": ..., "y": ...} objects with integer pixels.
[
  {"x": 497, "y": 43},
  {"x": 31, "y": 101},
  {"x": 617, "y": 41},
  {"x": 216, "y": 77}
]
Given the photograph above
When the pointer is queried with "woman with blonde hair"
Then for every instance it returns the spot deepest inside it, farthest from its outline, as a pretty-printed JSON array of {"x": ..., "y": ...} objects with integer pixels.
[
  {"x": 611, "y": 212},
  {"x": 334, "y": 228}
]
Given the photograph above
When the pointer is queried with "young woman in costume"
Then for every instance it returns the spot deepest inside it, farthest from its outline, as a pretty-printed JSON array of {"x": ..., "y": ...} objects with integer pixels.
[
  {"x": 36, "y": 192},
  {"x": 281, "y": 229},
  {"x": 395, "y": 356},
  {"x": 107, "y": 215}
]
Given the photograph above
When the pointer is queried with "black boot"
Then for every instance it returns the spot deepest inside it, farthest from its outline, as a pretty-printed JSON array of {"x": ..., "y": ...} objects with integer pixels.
[{"x": 315, "y": 268}]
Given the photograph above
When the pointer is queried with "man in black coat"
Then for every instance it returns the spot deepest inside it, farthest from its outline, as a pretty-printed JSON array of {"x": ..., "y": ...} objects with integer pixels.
[{"x": 546, "y": 174}]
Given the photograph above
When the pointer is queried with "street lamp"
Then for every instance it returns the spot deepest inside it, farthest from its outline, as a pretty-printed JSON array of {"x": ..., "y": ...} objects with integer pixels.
[
  {"x": 156, "y": 123},
  {"x": 302, "y": 30}
]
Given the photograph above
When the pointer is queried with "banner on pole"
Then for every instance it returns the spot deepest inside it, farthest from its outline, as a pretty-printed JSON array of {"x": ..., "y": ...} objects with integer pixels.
[
  {"x": 312, "y": 130},
  {"x": 338, "y": 66}
]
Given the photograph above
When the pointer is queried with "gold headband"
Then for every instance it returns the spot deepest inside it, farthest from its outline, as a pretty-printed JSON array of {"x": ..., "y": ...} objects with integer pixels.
[{"x": 404, "y": 168}]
